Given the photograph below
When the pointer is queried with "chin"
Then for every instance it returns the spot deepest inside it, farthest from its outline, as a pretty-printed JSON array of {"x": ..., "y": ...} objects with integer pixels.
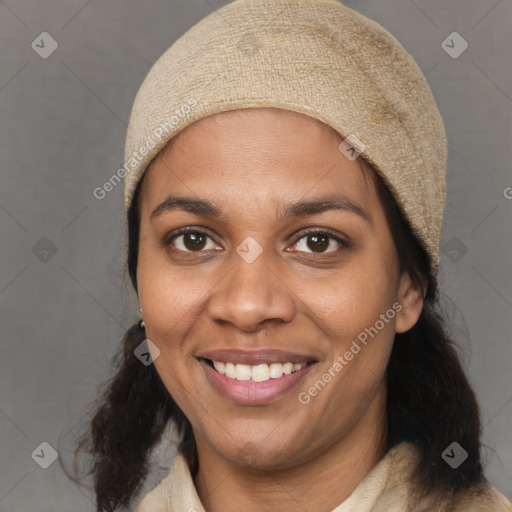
[{"x": 262, "y": 456}]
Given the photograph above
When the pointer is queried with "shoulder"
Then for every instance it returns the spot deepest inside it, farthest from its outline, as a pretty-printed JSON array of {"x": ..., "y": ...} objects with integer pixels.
[
  {"x": 175, "y": 492},
  {"x": 401, "y": 487},
  {"x": 480, "y": 498},
  {"x": 156, "y": 499},
  {"x": 485, "y": 499}
]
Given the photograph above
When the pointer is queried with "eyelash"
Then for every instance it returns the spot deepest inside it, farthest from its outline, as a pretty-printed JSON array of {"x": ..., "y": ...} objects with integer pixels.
[{"x": 299, "y": 236}]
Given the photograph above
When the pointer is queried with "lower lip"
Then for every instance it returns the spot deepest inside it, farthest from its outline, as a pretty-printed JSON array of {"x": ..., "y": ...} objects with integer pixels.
[{"x": 247, "y": 392}]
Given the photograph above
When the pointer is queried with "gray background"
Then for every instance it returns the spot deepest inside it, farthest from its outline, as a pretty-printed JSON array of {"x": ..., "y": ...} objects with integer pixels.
[{"x": 62, "y": 129}]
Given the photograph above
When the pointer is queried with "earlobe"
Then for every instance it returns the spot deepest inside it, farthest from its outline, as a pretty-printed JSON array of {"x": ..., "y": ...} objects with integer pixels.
[{"x": 410, "y": 297}]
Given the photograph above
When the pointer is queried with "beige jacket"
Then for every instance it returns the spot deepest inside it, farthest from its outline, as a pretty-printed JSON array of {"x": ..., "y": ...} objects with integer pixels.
[{"x": 386, "y": 488}]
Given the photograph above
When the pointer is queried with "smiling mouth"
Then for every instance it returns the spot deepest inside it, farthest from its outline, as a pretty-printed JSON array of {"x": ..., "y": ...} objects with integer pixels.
[{"x": 256, "y": 373}]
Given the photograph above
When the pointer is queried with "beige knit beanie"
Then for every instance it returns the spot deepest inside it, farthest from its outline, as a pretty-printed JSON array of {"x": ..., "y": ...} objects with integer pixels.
[{"x": 315, "y": 57}]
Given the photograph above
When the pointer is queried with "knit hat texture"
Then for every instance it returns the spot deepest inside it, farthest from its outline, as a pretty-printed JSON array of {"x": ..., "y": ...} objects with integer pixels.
[{"x": 316, "y": 57}]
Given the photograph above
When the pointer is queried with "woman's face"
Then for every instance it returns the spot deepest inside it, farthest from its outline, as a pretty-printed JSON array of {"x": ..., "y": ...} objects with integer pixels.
[{"x": 288, "y": 258}]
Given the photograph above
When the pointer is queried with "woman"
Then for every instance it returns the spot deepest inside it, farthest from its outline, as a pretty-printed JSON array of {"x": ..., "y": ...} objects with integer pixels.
[{"x": 285, "y": 184}]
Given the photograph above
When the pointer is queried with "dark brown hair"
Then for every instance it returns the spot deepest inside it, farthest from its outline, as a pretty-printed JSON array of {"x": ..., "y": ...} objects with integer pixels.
[{"x": 429, "y": 402}]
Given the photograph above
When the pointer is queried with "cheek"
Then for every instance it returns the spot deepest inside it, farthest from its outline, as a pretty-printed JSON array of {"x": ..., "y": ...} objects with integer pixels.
[
  {"x": 355, "y": 370},
  {"x": 167, "y": 303},
  {"x": 355, "y": 311},
  {"x": 352, "y": 300},
  {"x": 169, "y": 306},
  {"x": 165, "y": 296}
]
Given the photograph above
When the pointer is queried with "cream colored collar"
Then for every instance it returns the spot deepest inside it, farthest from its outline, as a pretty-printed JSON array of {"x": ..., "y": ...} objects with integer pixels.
[{"x": 386, "y": 488}]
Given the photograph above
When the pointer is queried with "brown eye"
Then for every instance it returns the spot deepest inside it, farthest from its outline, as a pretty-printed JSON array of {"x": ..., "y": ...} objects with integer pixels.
[
  {"x": 318, "y": 242},
  {"x": 194, "y": 241},
  {"x": 191, "y": 241},
  {"x": 321, "y": 242}
]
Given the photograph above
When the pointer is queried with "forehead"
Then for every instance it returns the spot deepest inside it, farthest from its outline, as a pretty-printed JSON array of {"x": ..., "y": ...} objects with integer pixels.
[{"x": 263, "y": 153}]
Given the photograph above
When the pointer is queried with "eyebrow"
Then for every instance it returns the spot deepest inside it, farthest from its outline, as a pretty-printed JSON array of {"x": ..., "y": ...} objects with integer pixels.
[{"x": 300, "y": 208}]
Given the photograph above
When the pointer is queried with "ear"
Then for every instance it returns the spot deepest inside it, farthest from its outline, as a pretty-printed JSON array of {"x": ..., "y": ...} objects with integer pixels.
[{"x": 410, "y": 297}]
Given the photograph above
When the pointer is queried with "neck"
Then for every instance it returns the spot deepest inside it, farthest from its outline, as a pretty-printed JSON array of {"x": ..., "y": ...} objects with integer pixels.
[{"x": 321, "y": 483}]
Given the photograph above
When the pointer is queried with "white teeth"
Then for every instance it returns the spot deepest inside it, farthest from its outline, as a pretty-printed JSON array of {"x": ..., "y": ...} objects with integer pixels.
[
  {"x": 219, "y": 366},
  {"x": 242, "y": 372},
  {"x": 276, "y": 370},
  {"x": 287, "y": 368},
  {"x": 257, "y": 373},
  {"x": 260, "y": 373},
  {"x": 230, "y": 370}
]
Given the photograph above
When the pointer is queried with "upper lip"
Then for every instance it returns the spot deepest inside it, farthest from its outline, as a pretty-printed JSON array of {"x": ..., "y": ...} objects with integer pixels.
[{"x": 255, "y": 357}]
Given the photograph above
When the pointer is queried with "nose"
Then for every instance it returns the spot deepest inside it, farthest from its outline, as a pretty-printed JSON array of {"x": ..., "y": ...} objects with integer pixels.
[{"x": 251, "y": 296}]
